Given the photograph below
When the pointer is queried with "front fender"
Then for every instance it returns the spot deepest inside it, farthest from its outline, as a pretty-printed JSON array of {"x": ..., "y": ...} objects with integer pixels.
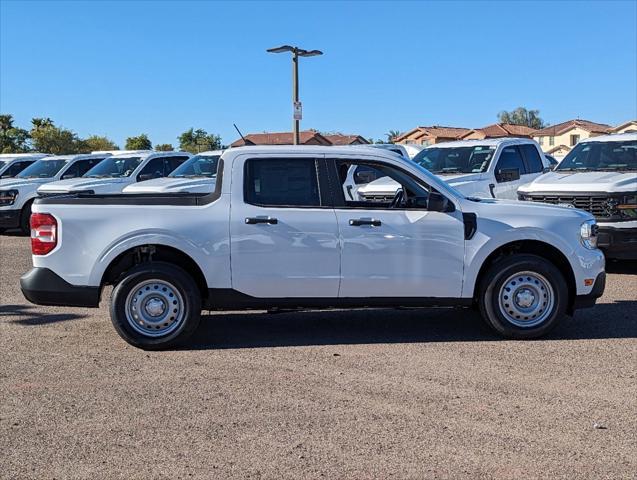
[{"x": 484, "y": 244}]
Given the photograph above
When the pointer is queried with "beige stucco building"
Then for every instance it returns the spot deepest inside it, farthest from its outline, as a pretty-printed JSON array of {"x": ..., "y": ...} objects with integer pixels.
[
  {"x": 627, "y": 127},
  {"x": 557, "y": 140}
]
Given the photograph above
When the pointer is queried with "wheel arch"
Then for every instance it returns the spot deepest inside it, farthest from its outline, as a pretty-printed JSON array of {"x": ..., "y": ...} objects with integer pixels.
[
  {"x": 151, "y": 252},
  {"x": 533, "y": 247}
]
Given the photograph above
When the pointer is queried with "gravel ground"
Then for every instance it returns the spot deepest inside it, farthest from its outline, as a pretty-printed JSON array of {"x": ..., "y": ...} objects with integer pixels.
[{"x": 363, "y": 394}]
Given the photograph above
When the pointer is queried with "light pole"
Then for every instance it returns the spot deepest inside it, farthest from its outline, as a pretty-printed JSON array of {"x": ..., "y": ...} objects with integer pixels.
[{"x": 296, "y": 53}]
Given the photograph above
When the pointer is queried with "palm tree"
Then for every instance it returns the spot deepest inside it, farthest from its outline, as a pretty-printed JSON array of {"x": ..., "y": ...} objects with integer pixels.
[{"x": 391, "y": 135}]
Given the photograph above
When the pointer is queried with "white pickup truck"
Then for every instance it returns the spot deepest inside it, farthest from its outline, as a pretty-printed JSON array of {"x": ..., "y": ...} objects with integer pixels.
[
  {"x": 600, "y": 176},
  {"x": 17, "y": 194},
  {"x": 490, "y": 168},
  {"x": 196, "y": 175},
  {"x": 278, "y": 232},
  {"x": 118, "y": 171}
]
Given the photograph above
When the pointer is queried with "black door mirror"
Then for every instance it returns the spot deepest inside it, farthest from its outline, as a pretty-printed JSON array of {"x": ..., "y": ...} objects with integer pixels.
[
  {"x": 364, "y": 176},
  {"x": 437, "y": 202},
  {"x": 146, "y": 176},
  {"x": 507, "y": 174}
]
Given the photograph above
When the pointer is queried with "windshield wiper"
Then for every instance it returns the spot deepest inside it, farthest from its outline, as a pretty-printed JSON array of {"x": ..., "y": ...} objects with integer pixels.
[{"x": 573, "y": 169}]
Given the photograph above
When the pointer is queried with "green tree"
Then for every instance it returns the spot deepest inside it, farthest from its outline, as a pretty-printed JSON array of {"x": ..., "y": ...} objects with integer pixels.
[
  {"x": 96, "y": 142},
  {"x": 195, "y": 141},
  {"x": 522, "y": 116},
  {"x": 12, "y": 138},
  {"x": 164, "y": 147},
  {"x": 140, "y": 142},
  {"x": 391, "y": 135},
  {"x": 47, "y": 138}
]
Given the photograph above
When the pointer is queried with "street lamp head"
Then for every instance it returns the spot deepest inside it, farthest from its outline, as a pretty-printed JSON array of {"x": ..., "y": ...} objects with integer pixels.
[
  {"x": 281, "y": 49},
  {"x": 310, "y": 53}
]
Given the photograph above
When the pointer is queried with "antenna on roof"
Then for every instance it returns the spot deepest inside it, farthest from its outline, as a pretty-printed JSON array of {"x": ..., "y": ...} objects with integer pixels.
[{"x": 239, "y": 132}]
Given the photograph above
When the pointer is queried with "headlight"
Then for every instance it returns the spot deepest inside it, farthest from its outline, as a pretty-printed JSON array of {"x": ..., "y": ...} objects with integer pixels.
[
  {"x": 588, "y": 234},
  {"x": 7, "y": 197}
]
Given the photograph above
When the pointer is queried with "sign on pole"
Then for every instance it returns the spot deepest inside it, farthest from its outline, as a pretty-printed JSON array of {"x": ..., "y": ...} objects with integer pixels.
[{"x": 298, "y": 111}]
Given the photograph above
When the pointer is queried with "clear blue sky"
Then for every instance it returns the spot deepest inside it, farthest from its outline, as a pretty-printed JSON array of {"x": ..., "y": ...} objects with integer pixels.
[{"x": 160, "y": 67}]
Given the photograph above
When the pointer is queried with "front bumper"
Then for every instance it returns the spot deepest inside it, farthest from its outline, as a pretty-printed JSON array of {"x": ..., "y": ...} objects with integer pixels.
[
  {"x": 9, "y": 218},
  {"x": 42, "y": 286},
  {"x": 588, "y": 300},
  {"x": 620, "y": 243}
]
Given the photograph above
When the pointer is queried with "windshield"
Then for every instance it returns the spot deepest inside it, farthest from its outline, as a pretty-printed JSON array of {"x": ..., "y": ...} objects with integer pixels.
[
  {"x": 619, "y": 156},
  {"x": 198, "y": 166},
  {"x": 474, "y": 159},
  {"x": 43, "y": 169},
  {"x": 114, "y": 167},
  {"x": 3, "y": 163}
]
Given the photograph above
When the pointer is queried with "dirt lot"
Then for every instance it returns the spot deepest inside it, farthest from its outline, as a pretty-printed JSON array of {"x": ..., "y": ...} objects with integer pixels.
[{"x": 364, "y": 394}]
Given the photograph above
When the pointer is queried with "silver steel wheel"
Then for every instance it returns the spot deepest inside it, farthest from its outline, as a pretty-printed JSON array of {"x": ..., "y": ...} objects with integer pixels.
[
  {"x": 526, "y": 299},
  {"x": 155, "y": 308}
]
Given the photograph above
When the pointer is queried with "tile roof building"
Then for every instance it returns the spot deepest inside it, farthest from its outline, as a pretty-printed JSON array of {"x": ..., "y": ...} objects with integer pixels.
[
  {"x": 499, "y": 130},
  {"x": 307, "y": 137},
  {"x": 432, "y": 135}
]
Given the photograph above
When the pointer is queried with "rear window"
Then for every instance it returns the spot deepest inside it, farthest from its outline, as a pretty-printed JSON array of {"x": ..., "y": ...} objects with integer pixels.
[{"x": 282, "y": 182}]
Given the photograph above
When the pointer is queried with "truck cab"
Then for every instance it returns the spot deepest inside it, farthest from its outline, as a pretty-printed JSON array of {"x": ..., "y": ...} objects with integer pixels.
[
  {"x": 117, "y": 172},
  {"x": 17, "y": 194},
  {"x": 490, "y": 168},
  {"x": 198, "y": 174},
  {"x": 599, "y": 175}
]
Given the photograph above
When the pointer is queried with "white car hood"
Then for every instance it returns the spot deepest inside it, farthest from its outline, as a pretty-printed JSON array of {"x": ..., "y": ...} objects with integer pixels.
[
  {"x": 173, "y": 185},
  {"x": 387, "y": 185},
  {"x": 98, "y": 185},
  {"x": 557, "y": 182},
  {"x": 23, "y": 182}
]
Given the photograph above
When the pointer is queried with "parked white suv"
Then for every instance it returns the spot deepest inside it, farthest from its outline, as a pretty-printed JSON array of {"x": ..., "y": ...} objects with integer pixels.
[
  {"x": 196, "y": 175},
  {"x": 118, "y": 171},
  {"x": 600, "y": 176},
  {"x": 491, "y": 168},
  {"x": 13, "y": 163},
  {"x": 278, "y": 232},
  {"x": 17, "y": 194}
]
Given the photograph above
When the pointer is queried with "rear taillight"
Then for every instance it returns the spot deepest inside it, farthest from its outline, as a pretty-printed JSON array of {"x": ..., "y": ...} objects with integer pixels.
[{"x": 44, "y": 233}]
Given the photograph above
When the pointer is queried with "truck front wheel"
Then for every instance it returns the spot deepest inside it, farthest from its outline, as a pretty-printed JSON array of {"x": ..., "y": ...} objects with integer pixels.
[
  {"x": 523, "y": 296},
  {"x": 156, "y": 306}
]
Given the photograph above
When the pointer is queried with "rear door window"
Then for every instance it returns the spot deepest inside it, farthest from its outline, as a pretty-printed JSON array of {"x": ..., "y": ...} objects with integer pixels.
[{"x": 282, "y": 182}]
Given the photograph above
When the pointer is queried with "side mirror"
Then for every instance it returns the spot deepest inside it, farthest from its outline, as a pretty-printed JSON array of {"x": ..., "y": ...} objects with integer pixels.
[
  {"x": 507, "y": 174},
  {"x": 142, "y": 177},
  {"x": 67, "y": 176},
  {"x": 436, "y": 202},
  {"x": 364, "y": 177}
]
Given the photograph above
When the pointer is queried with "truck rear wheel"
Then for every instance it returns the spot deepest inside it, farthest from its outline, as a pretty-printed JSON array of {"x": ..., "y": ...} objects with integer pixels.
[
  {"x": 156, "y": 306},
  {"x": 523, "y": 296}
]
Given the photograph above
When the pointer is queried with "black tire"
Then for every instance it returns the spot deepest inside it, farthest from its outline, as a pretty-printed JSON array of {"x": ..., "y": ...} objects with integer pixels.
[
  {"x": 25, "y": 218},
  {"x": 148, "y": 276},
  {"x": 493, "y": 292}
]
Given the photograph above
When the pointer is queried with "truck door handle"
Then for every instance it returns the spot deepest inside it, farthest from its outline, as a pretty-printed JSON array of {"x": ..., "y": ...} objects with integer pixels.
[
  {"x": 256, "y": 220},
  {"x": 359, "y": 222}
]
